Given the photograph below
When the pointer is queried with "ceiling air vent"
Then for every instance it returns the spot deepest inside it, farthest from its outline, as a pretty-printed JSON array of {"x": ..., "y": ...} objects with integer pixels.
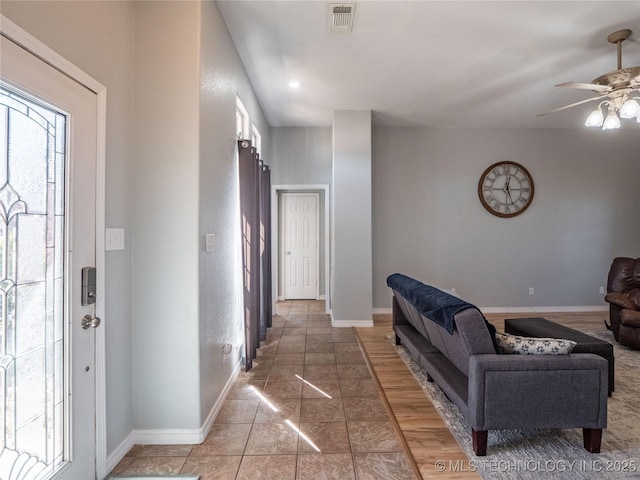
[{"x": 341, "y": 17}]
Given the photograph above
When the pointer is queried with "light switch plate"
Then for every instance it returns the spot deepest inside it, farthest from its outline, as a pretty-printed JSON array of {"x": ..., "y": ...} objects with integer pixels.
[
  {"x": 114, "y": 239},
  {"x": 210, "y": 241}
]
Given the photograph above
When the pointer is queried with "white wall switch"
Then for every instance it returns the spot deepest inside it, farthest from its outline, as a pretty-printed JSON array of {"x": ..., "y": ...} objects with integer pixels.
[
  {"x": 114, "y": 239},
  {"x": 530, "y": 290},
  {"x": 209, "y": 242}
]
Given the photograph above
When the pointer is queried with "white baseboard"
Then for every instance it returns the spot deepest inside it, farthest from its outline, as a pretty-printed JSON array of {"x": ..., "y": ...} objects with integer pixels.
[
  {"x": 570, "y": 309},
  {"x": 206, "y": 427},
  {"x": 176, "y": 436},
  {"x": 351, "y": 323},
  {"x": 168, "y": 436},
  {"x": 319, "y": 297},
  {"x": 113, "y": 459}
]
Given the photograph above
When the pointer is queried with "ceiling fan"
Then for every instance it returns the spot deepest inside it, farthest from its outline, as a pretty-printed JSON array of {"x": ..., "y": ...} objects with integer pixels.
[{"x": 615, "y": 88}]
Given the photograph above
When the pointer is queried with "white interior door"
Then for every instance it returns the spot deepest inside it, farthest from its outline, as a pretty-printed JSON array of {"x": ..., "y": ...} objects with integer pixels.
[
  {"x": 301, "y": 246},
  {"x": 48, "y": 138}
]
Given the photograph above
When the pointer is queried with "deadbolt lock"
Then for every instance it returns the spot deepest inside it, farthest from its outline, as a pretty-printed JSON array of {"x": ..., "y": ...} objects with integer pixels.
[{"x": 88, "y": 286}]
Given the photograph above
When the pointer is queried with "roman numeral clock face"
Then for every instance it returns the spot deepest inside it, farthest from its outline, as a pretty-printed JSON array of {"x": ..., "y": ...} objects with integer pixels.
[{"x": 505, "y": 189}]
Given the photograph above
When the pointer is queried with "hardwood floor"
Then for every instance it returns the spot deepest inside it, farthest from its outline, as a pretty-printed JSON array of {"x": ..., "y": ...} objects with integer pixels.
[{"x": 426, "y": 435}]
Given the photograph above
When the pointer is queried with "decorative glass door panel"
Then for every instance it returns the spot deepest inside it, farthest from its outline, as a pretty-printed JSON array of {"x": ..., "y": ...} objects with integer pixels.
[
  {"x": 32, "y": 196},
  {"x": 48, "y": 173}
]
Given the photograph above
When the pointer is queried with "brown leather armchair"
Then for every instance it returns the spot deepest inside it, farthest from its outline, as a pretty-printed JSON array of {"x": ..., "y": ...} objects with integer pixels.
[{"x": 623, "y": 287}]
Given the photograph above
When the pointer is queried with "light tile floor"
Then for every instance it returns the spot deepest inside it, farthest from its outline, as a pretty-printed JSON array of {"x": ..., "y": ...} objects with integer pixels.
[{"x": 308, "y": 409}]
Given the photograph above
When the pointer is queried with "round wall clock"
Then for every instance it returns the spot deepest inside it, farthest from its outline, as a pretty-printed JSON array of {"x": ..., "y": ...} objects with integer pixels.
[{"x": 506, "y": 189}]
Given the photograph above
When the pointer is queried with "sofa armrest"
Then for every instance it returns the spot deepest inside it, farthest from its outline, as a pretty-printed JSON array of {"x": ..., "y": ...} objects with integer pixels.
[
  {"x": 630, "y": 318},
  {"x": 398, "y": 317},
  {"x": 537, "y": 391},
  {"x": 620, "y": 299}
]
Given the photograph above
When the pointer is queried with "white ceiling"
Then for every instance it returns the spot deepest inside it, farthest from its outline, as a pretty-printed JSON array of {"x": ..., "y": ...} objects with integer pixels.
[{"x": 458, "y": 64}]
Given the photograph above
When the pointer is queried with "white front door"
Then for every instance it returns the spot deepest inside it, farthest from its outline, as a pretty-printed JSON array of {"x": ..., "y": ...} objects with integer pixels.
[
  {"x": 48, "y": 155},
  {"x": 301, "y": 246}
]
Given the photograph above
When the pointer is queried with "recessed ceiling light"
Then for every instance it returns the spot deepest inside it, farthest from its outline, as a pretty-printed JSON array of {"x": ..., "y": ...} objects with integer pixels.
[{"x": 294, "y": 84}]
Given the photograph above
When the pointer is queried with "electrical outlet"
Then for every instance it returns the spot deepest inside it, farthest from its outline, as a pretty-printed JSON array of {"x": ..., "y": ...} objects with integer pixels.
[
  {"x": 601, "y": 290},
  {"x": 227, "y": 349},
  {"x": 530, "y": 290},
  {"x": 453, "y": 291}
]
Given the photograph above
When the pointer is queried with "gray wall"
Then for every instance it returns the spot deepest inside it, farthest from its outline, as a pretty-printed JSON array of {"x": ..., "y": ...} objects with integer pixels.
[
  {"x": 98, "y": 38},
  {"x": 166, "y": 216},
  {"x": 172, "y": 74},
  {"x": 351, "y": 217},
  {"x": 186, "y": 179},
  {"x": 429, "y": 223},
  {"x": 222, "y": 76},
  {"x": 302, "y": 156}
]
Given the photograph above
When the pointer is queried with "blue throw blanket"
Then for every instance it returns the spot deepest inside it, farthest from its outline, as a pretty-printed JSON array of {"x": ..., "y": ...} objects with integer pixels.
[{"x": 434, "y": 304}]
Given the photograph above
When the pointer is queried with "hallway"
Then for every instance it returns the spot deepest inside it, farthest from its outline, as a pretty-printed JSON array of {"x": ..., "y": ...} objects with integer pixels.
[{"x": 309, "y": 409}]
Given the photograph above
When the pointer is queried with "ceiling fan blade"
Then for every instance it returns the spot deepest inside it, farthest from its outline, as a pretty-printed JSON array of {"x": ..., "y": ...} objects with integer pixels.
[
  {"x": 572, "y": 105},
  {"x": 586, "y": 86}
]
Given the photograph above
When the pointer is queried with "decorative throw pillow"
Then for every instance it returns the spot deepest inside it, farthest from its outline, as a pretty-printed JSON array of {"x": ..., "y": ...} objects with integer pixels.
[{"x": 518, "y": 345}]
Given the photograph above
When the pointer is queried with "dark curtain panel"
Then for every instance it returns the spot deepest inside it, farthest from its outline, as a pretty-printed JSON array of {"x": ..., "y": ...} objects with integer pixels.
[
  {"x": 262, "y": 312},
  {"x": 256, "y": 294},
  {"x": 250, "y": 224},
  {"x": 265, "y": 244},
  {"x": 255, "y": 211}
]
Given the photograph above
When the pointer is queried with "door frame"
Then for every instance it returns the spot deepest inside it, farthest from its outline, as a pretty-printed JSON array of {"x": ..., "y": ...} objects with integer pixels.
[
  {"x": 284, "y": 226},
  {"x": 19, "y": 36},
  {"x": 276, "y": 200}
]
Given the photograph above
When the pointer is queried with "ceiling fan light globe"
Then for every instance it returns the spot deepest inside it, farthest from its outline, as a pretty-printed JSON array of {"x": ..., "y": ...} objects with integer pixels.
[
  {"x": 630, "y": 109},
  {"x": 611, "y": 122},
  {"x": 595, "y": 119}
]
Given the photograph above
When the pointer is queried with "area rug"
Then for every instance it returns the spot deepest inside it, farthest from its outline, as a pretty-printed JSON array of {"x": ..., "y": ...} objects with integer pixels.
[{"x": 546, "y": 454}]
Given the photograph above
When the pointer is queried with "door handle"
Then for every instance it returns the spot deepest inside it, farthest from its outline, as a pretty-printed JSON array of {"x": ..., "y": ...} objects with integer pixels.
[
  {"x": 88, "y": 321},
  {"x": 288, "y": 253}
]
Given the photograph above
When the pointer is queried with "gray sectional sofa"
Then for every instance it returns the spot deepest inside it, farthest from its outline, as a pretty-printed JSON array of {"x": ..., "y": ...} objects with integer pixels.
[{"x": 493, "y": 391}]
